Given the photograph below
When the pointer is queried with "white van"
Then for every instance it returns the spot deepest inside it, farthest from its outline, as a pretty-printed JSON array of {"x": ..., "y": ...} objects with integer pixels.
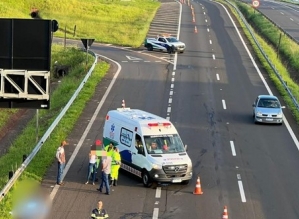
[{"x": 135, "y": 132}]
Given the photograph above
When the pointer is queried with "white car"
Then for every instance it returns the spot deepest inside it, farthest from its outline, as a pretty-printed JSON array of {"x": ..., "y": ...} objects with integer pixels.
[
  {"x": 165, "y": 43},
  {"x": 267, "y": 109}
]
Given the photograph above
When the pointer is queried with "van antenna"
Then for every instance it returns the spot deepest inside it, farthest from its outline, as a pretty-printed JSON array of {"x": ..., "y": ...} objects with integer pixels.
[{"x": 123, "y": 104}]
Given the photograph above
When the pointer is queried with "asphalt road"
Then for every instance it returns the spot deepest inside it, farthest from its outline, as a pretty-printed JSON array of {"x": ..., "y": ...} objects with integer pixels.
[
  {"x": 249, "y": 168},
  {"x": 283, "y": 14}
]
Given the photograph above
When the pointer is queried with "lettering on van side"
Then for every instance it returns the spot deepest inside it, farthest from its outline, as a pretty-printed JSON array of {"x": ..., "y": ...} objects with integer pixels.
[
  {"x": 126, "y": 137},
  {"x": 111, "y": 133}
]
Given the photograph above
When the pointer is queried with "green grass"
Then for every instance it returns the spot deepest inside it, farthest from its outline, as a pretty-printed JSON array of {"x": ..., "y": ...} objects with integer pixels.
[{"x": 103, "y": 20}]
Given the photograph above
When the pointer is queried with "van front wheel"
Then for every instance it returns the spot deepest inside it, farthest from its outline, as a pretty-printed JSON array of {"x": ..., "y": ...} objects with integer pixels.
[{"x": 146, "y": 179}]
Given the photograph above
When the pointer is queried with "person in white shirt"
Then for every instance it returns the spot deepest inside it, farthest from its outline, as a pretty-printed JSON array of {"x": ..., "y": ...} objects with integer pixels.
[
  {"x": 106, "y": 170},
  {"x": 60, "y": 155},
  {"x": 92, "y": 167}
]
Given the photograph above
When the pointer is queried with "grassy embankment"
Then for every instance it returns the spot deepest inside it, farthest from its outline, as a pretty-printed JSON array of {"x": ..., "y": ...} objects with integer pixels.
[
  {"x": 285, "y": 61},
  {"x": 122, "y": 23}
]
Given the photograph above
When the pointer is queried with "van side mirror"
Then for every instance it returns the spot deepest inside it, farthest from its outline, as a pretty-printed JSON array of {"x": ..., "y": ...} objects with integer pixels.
[
  {"x": 185, "y": 147},
  {"x": 140, "y": 150}
]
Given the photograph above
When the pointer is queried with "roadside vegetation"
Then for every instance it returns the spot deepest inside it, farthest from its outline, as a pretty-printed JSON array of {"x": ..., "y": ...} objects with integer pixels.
[{"x": 116, "y": 22}]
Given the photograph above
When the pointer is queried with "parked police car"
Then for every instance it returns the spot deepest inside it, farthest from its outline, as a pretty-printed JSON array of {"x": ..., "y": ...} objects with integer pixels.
[{"x": 165, "y": 43}]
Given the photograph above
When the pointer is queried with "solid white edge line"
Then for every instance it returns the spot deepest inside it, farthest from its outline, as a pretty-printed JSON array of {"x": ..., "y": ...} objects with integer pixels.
[
  {"x": 233, "y": 148},
  {"x": 74, "y": 154},
  {"x": 261, "y": 76},
  {"x": 242, "y": 193}
]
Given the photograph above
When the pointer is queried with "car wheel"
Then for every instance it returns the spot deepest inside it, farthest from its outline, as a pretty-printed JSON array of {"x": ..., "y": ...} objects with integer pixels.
[
  {"x": 146, "y": 179},
  {"x": 150, "y": 47}
]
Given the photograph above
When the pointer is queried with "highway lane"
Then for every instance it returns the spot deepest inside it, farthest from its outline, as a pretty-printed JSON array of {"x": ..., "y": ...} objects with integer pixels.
[
  {"x": 134, "y": 84},
  {"x": 284, "y": 15},
  {"x": 215, "y": 70},
  {"x": 215, "y": 117}
]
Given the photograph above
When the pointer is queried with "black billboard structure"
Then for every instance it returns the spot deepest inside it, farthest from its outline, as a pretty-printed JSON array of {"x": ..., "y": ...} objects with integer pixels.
[{"x": 25, "y": 61}]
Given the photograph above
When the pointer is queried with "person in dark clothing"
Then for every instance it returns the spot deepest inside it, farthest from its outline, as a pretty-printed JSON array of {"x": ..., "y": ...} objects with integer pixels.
[{"x": 99, "y": 212}]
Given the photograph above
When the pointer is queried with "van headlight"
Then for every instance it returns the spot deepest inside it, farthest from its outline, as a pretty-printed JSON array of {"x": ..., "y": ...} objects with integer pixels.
[{"x": 157, "y": 166}]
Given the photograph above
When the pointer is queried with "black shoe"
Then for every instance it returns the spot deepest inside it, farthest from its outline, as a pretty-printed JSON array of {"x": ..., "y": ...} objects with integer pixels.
[
  {"x": 115, "y": 182},
  {"x": 61, "y": 183},
  {"x": 107, "y": 193},
  {"x": 100, "y": 190}
]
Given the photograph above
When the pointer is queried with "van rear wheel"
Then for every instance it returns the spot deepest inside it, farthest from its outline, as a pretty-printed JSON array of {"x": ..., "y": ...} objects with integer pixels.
[{"x": 146, "y": 179}]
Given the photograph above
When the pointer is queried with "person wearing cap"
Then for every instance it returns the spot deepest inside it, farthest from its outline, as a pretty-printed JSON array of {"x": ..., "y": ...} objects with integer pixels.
[
  {"x": 115, "y": 165},
  {"x": 60, "y": 156},
  {"x": 99, "y": 212}
]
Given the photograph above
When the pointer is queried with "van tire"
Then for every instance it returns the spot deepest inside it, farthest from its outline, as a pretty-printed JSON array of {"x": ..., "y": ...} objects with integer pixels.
[
  {"x": 185, "y": 182},
  {"x": 146, "y": 179}
]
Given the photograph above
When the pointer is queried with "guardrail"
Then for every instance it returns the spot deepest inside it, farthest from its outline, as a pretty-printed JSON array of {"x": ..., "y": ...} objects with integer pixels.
[
  {"x": 265, "y": 55},
  {"x": 23, "y": 166}
]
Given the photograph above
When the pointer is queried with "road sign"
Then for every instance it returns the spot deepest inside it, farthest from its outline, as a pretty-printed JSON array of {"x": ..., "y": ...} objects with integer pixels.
[
  {"x": 25, "y": 62},
  {"x": 255, "y": 3},
  {"x": 87, "y": 42}
]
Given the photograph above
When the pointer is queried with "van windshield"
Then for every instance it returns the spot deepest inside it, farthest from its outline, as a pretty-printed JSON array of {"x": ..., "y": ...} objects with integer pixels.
[{"x": 163, "y": 144}]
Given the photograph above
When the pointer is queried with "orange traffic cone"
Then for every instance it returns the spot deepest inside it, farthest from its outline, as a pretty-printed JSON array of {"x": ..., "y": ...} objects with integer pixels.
[
  {"x": 195, "y": 29},
  {"x": 225, "y": 214},
  {"x": 197, "y": 190}
]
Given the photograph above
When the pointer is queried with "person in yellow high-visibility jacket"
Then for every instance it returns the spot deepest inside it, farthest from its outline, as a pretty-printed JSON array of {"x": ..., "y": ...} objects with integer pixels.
[
  {"x": 109, "y": 149},
  {"x": 115, "y": 165}
]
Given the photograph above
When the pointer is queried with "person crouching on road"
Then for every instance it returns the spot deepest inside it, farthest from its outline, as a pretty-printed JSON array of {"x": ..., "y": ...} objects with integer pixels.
[
  {"x": 106, "y": 169},
  {"x": 60, "y": 156},
  {"x": 115, "y": 165},
  {"x": 99, "y": 212}
]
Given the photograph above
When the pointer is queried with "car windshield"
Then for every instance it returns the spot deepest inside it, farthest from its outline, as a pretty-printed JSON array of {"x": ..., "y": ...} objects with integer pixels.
[
  {"x": 268, "y": 103},
  {"x": 172, "y": 40},
  {"x": 164, "y": 144}
]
